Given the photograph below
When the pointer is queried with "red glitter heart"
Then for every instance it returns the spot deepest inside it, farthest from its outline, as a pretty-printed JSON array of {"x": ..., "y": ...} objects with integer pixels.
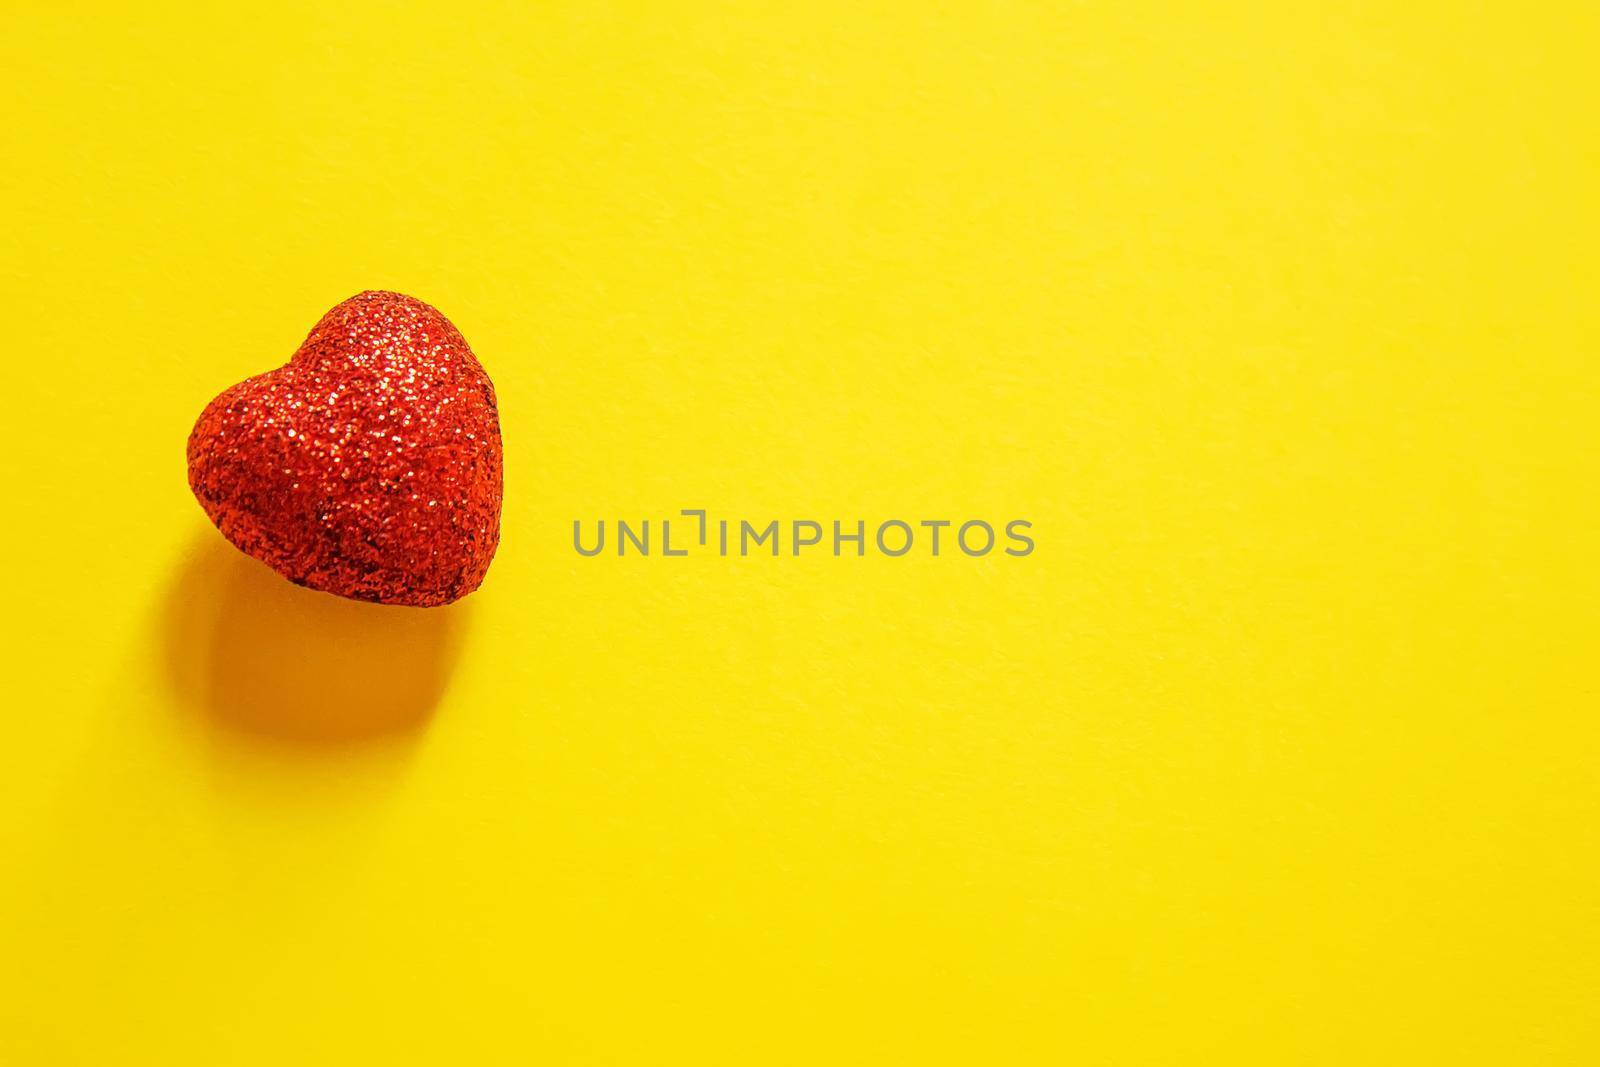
[{"x": 369, "y": 465}]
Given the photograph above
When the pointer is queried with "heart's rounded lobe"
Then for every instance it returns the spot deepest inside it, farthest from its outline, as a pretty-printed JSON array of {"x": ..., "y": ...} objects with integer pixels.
[{"x": 369, "y": 465}]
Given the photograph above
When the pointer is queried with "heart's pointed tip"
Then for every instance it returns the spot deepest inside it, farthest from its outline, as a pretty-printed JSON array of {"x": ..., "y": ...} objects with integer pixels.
[{"x": 369, "y": 467}]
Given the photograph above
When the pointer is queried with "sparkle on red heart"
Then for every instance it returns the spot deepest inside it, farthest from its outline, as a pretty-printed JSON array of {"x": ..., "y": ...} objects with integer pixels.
[{"x": 369, "y": 465}]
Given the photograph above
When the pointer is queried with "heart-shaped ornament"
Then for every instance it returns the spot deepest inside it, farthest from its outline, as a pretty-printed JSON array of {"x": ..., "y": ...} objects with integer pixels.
[{"x": 368, "y": 466}]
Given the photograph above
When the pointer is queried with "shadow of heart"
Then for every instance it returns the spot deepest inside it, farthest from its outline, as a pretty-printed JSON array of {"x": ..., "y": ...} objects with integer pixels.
[{"x": 264, "y": 658}]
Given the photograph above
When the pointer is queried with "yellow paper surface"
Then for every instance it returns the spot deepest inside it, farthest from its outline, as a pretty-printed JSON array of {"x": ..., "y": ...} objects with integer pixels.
[{"x": 1278, "y": 322}]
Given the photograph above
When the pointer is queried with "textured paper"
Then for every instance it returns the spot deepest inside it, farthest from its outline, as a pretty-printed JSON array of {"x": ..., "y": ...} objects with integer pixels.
[{"x": 1277, "y": 321}]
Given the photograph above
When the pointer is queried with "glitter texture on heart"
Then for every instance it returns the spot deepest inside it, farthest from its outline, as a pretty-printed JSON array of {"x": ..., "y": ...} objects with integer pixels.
[{"x": 369, "y": 465}]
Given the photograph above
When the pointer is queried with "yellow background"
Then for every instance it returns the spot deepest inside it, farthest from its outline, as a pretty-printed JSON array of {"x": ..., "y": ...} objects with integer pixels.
[{"x": 1277, "y": 320}]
